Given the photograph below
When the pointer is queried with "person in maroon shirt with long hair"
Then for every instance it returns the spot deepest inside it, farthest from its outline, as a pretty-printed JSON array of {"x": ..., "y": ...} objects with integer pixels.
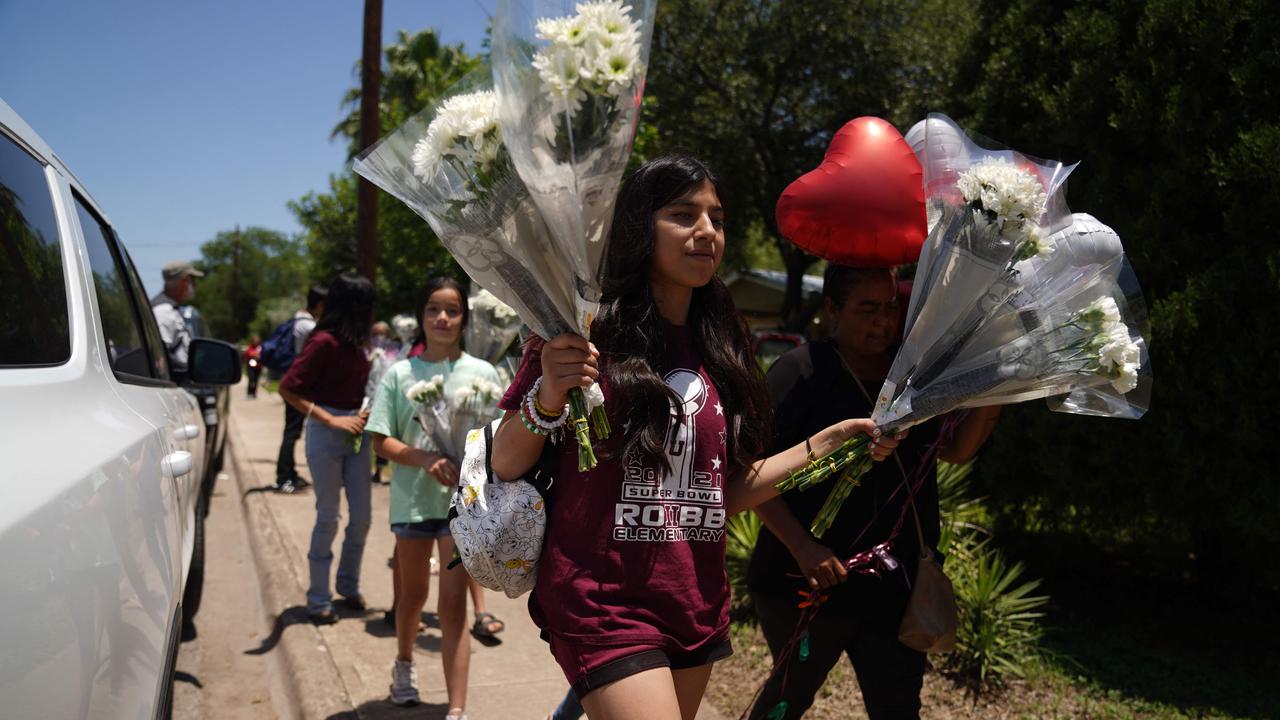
[
  {"x": 631, "y": 590},
  {"x": 326, "y": 382}
]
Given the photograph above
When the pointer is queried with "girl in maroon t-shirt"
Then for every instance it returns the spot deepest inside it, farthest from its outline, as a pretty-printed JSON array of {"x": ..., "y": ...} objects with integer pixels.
[
  {"x": 326, "y": 383},
  {"x": 631, "y": 591}
]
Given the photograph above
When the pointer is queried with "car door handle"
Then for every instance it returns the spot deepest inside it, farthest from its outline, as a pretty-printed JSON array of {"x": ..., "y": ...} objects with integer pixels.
[
  {"x": 187, "y": 432},
  {"x": 177, "y": 464}
]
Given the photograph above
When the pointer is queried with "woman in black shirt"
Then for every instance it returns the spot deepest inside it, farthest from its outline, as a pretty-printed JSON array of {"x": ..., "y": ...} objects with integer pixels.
[{"x": 811, "y": 387}]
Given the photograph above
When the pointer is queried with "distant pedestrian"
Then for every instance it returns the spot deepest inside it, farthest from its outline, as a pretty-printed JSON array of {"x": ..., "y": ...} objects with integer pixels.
[
  {"x": 179, "y": 289},
  {"x": 253, "y": 363},
  {"x": 326, "y": 383},
  {"x": 383, "y": 350},
  {"x": 422, "y": 482},
  {"x": 299, "y": 329},
  {"x": 406, "y": 328}
]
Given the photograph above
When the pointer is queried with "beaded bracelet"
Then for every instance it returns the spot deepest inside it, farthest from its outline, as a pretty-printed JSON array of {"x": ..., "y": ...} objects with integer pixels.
[
  {"x": 536, "y": 425},
  {"x": 531, "y": 415}
]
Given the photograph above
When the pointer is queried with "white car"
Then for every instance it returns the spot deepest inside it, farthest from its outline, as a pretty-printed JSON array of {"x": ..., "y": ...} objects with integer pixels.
[{"x": 100, "y": 456}]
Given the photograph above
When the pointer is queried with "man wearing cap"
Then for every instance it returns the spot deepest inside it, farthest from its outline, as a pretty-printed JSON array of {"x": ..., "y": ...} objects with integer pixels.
[{"x": 179, "y": 288}]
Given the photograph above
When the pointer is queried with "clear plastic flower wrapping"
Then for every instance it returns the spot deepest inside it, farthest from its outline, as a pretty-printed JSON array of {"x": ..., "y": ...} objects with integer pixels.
[{"x": 996, "y": 312}]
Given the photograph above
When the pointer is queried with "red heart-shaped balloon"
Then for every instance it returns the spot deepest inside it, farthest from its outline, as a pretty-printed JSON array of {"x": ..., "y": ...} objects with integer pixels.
[{"x": 864, "y": 205}]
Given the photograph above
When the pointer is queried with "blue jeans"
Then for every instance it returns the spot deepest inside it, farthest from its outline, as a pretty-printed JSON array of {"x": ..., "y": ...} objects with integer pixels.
[
  {"x": 569, "y": 708},
  {"x": 336, "y": 467}
]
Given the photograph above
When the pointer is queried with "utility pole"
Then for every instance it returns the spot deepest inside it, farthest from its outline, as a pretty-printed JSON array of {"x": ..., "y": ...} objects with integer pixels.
[{"x": 370, "y": 122}]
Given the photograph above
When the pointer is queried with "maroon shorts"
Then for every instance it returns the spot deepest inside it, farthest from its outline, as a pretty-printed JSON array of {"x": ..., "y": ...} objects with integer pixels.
[{"x": 589, "y": 667}]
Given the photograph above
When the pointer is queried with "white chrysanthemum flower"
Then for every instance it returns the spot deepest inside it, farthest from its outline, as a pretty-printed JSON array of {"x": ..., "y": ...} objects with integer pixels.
[
  {"x": 610, "y": 17},
  {"x": 1000, "y": 187},
  {"x": 465, "y": 127},
  {"x": 560, "y": 69},
  {"x": 598, "y": 47},
  {"x": 425, "y": 390},
  {"x": 615, "y": 67}
]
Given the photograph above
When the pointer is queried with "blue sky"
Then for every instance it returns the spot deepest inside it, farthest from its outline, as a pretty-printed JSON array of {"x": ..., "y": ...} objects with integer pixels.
[{"x": 186, "y": 118}]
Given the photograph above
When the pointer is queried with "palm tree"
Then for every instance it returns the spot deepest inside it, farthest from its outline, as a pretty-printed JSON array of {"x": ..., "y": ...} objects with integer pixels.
[{"x": 418, "y": 70}]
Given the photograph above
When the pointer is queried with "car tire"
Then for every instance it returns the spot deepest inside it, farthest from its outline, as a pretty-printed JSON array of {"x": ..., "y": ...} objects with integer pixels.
[
  {"x": 194, "y": 590},
  {"x": 211, "y": 474}
]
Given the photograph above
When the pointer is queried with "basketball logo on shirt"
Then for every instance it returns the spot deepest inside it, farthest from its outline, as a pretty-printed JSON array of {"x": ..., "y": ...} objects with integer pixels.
[{"x": 685, "y": 503}]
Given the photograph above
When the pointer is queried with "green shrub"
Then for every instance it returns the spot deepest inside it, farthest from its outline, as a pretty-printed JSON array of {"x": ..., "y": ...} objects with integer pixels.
[
  {"x": 959, "y": 512},
  {"x": 742, "y": 531},
  {"x": 999, "y": 628}
]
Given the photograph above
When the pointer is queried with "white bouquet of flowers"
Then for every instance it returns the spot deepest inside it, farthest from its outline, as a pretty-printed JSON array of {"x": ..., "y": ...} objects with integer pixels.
[
  {"x": 452, "y": 166},
  {"x": 1014, "y": 299},
  {"x": 570, "y": 79},
  {"x": 445, "y": 419},
  {"x": 491, "y": 326}
]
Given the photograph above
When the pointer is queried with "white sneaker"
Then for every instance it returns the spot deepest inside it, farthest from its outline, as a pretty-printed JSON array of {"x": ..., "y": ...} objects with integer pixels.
[{"x": 404, "y": 683}]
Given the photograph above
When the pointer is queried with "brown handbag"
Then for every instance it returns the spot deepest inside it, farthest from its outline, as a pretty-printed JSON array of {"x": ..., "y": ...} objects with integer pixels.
[{"x": 929, "y": 623}]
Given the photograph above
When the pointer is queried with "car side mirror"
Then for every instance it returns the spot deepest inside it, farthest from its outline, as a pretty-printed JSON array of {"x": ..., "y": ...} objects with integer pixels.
[{"x": 212, "y": 362}]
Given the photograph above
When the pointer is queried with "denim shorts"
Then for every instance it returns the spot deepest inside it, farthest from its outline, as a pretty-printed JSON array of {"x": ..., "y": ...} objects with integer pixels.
[{"x": 422, "y": 530}]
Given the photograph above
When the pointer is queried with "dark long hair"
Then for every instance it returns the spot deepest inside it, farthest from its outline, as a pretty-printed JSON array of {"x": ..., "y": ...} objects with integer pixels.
[
  {"x": 348, "y": 309},
  {"x": 629, "y": 330},
  {"x": 434, "y": 284}
]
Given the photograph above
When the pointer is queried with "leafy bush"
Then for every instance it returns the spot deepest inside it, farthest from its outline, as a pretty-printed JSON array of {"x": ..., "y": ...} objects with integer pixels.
[
  {"x": 999, "y": 628},
  {"x": 742, "y": 531}
]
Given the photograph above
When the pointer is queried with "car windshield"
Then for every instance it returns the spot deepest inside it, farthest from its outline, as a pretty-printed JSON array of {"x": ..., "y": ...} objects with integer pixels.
[{"x": 34, "y": 329}]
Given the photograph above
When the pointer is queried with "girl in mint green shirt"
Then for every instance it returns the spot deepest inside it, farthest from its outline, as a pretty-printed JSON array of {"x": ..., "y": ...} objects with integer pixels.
[{"x": 422, "y": 481}]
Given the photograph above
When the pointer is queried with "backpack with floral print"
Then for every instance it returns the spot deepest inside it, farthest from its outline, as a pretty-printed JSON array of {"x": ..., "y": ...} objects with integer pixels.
[{"x": 498, "y": 525}]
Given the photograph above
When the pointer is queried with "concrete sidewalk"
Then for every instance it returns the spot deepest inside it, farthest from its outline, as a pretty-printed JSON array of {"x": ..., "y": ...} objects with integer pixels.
[{"x": 343, "y": 670}]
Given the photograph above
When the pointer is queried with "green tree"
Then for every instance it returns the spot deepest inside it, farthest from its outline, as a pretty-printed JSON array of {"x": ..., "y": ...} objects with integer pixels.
[
  {"x": 1172, "y": 107},
  {"x": 419, "y": 68},
  {"x": 244, "y": 268},
  {"x": 758, "y": 87}
]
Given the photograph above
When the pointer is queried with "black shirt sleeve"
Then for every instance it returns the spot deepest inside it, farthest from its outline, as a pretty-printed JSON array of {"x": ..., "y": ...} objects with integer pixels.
[{"x": 789, "y": 380}]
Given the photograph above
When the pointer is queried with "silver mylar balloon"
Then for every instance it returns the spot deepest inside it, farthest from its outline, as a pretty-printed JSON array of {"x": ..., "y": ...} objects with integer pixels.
[{"x": 943, "y": 150}]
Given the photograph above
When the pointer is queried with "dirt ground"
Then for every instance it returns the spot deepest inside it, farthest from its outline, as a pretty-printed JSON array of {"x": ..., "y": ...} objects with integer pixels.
[{"x": 736, "y": 679}]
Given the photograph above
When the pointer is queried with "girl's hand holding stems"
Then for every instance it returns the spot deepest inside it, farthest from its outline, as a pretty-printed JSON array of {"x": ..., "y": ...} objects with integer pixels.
[
  {"x": 568, "y": 361},
  {"x": 444, "y": 470}
]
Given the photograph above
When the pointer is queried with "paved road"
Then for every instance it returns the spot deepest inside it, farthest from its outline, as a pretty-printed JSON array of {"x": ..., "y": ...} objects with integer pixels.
[{"x": 221, "y": 674}]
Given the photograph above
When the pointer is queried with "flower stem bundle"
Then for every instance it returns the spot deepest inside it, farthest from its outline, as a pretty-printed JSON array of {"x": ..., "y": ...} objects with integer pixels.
[
  {"x": 818, "y": 470},
  {"x": 844, "y": 485},
  {"x": 578, "y": 418}
]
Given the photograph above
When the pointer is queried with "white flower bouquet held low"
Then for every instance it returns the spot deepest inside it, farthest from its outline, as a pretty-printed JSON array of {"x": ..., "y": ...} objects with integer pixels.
[
  {"x": 492, "y": 326},
  {"x": 446, "y": 419},
  {"x": 1014, "y": 299}
]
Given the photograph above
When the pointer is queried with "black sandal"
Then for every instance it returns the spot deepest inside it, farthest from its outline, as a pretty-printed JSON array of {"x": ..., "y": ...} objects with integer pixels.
[
  {"x": 355, "y": 602},
  {"x": 481, "y": 630},
  {"x": 324, "y": 617}
]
